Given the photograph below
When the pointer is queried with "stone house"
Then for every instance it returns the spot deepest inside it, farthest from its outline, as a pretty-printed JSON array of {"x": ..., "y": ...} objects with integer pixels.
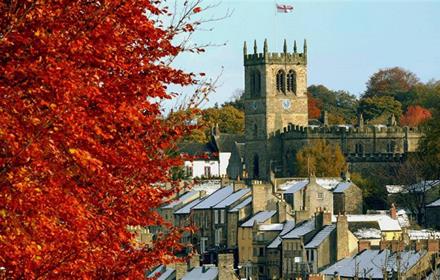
[
  {"x": 347, "y": 198},
  {"x": 237, "y": 215},
  {"x": 433, "y": 214}
]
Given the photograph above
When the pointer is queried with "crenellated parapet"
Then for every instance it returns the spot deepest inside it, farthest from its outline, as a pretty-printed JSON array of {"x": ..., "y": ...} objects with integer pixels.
[
  {"x": 376, "y": 157},
  {"x": 267, "y": 57}
]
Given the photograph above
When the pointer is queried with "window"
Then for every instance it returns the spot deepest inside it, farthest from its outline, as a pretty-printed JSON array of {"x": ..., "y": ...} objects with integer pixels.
[
  {"x": 281, "y": 86},
  {"x": 218, "y": 236},
  {"x": 255, "y": 130},
  {"x": 261, "y": 252},
  {"x": 215, "y": 216},
  {"x": 203, "y": 242},
  {"x": 359, "y": 148},
  {"x": 255, "y": 84},
  {"x": 222, "y": 216},
  {"x": 189, "y": 171},
  {"x": 291, "y": 81},
  {"x": 208, "y": 171},
  {"x": 320, "y": 195},
  {"x": 391, "y": 147}
]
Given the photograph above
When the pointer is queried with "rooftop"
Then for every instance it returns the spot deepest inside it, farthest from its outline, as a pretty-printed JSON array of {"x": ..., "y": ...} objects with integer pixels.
[
  {"x": 260, "y": 217},
  {"x": 385, "y": 222},
  {"x": 342, "y": 186},
  {"x": 182, "y": 199},
  {"x": 320, "y": 236},
  {"x": 271, "y": 227},
  {"x": 214, "y": 198},
  {"x": 204, "y": 272},
  {"x": 300, "y": 230},
  {"x": 369, "y": 263},
  {"x": 186, "y": 209},
  {"x": 434, "y": 204},
  {"x": 161, "y": 272},
  {"x": 236, "y": 196},
  {"x": 288, "y": 226},
  {"x": 242, "y": 204}
]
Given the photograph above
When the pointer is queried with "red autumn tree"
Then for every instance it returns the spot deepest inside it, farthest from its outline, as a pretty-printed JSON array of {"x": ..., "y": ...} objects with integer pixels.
[
  {"x": 313, "y": 107},
  {"x": 415, "y": 115},
  {"x": 84, "y": 151}
]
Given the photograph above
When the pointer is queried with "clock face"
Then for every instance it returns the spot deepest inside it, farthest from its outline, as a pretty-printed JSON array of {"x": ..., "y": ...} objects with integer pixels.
[{"x": 286, "y": 104}]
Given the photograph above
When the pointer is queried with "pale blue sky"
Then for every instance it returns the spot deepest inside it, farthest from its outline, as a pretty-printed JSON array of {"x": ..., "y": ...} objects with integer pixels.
[{"x": 347, "y": 40}]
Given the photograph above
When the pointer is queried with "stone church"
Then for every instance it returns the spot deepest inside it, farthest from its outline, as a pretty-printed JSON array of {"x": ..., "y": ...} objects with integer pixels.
[{"x": 277, "y": 123}]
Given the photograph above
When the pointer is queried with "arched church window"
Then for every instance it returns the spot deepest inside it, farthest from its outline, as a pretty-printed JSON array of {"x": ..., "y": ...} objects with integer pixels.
[
  {"x": 255, "y": 130},
  {"x": 281, "y": 85},
  {"x": 291, "y": 81},
  {"x": 255, "y": 83}
]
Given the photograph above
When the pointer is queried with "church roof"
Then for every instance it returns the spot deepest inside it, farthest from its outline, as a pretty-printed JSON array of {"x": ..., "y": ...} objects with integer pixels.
[{"x": 225, "y": 142}]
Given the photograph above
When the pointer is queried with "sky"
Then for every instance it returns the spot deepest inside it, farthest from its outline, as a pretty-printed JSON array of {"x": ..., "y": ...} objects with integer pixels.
[{"x": 347, "y": 41}]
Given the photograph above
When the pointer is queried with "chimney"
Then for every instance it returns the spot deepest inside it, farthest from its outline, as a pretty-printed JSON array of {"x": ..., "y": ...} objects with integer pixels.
[
  {"x": 342, "y": 236},
  {"x": 316, "y": 277},
  {"x": 261, "y": 194},
  {"x": 327, "y": 218},
  {"x": 226, "y": 267},
  {"x": 238, "y": 185},
  {"x": 383, "y": 244},
  {"x": 325, "y": 118},
  {"x": 433, "y": 245},
  {"x": 181, "y": 269},
  {"x": 393, "y": 212},
  {"x": 282, "y": 212},
  {"x": 364, "y": 245},
  {"x": 194, "y": 260}
]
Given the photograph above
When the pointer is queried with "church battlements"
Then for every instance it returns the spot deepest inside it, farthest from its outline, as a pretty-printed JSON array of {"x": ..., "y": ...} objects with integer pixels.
[{"x": 267, "y": 57}]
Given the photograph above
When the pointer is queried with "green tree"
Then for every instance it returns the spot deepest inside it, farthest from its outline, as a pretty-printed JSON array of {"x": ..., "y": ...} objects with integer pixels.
[
  {"x": 377, "y": 108},
  {"x": 340, "y": 104},
  {"x": 429, "y": 147},
  {"x": 395, "y": 82},
  {"x": 321, "y": 158}
]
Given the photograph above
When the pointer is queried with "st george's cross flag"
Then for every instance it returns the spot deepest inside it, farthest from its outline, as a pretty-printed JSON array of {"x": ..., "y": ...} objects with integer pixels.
[{"x": 283, "y": 8}]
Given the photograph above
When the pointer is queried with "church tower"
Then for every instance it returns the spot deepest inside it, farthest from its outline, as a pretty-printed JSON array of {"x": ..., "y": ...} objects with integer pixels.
[{"x": 275, "y": 96}]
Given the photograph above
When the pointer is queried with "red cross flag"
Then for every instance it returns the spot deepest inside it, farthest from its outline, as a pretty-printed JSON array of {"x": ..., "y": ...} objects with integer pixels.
[{"x": 283, "y": 8}]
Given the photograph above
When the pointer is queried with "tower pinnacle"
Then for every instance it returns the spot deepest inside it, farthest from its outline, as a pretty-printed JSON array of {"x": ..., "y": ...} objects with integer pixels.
[
  {"x": 255, "y": 47},
  {"x": 265, "y": 48},
  {"x": 244, "y": 48},
  {"x": 294, "y": 47},
  {"x": 285, "y": 46}
]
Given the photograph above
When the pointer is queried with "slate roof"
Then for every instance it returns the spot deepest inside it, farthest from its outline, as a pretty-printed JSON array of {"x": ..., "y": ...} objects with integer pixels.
[
  {"x": 434, "y": 204},
  {"x": 161, "y": 272},
  {"x": 320, "y": 236},
  {"x": 225, "y": 142},
  {"x": 205, "y": 273},
  {"x": 369, "y": 263},
  {"x": 187, "y": 208},
  {"x": 260, "y": 217},
  {"x": 301, "y": 230},
  {"x": 242, "y": 204},
  {"x": 297, "y": 186},
  {"x": 385, "y": 222},
  {"x": 236, "y": 196},
  {"x": 214, "y": 198},
  {"x": 271, "y": 227},
  {"x": 288, "y": 226},
  {"x": 341, "y": 187},
  {"x": 186, "y": 196}
]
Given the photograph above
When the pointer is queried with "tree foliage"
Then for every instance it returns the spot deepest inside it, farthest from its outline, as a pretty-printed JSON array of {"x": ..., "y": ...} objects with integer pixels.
[
  {"x": 429, "y": 146},
  {"x": 378, "y": 108},
  {"x": 415, "y": 116},
  {"x": 340, "y": 104},
  {"x": 313, "y": 108},
  {"x": 83, "y": 145},
  {"x": 392, "y": 82},
  {"x": 321, "y": 158}
]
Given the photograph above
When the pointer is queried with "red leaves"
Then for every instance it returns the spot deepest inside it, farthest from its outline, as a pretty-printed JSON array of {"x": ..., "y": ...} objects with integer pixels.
[
  {"x": 80, "y": 146},
  {"x": 415, "y": 115},
  {"x": 313, "y": 105}
]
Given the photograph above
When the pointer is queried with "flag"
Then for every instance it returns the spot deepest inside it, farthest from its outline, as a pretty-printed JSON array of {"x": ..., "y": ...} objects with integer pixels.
[{"x": 283, "y": 8}]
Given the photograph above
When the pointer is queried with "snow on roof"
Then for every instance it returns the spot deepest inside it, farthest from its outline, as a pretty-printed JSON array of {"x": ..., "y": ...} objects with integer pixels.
[
  {"x": 161, "y": 272},
  {"x": 242, "y": 204},
  {"x": 369, "y": 263},
  {"x": 233, "y": 198},
  {"x": 394, "y": 188},
  {"x": 296, "y": 186},
  {"x": 187, "y": 208},
  {"x": 368, "y": 233},
  {"x": 320, "y": 236},
  {"x": 342, "y": 186},
  {"x": 385, "y": 222},
  {"x": 182, "y": 199},
  {"x": 260, "y": 217},
  {"x": 403, "y": 219},
  {"x": 434, "y": 204},
  {"x": 423, "y": 234},
  {"x": 204, "y": 272},
  {"x": 208, "y": 186},
  {"x": 214, "y": 198},
  {"x": 300, "y": 230},
  {"x": 288, "y": 226},
  {"x": 271, "y": 227},
  {"x": 421, "y": 186}
]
